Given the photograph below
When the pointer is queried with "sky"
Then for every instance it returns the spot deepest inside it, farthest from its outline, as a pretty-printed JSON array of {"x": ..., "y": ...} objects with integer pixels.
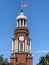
[{"x": 37, "y": 13}]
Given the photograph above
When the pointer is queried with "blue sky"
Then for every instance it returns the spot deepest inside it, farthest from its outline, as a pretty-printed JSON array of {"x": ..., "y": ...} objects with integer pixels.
[{"x": 37, "y": 12}]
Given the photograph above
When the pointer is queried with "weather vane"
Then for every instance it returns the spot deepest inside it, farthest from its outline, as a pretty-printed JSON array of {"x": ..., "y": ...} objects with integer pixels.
[{"x": 23, "y": 5}]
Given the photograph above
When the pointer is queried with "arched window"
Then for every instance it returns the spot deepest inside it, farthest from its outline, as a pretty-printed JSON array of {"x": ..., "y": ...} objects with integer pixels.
[
  {"x": 21, "y": 64},
  {"x": 21, "y": 47}
]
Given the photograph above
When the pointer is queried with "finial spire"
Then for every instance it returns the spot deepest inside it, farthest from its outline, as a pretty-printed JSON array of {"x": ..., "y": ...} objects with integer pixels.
[{"x": 21, "y": 10}]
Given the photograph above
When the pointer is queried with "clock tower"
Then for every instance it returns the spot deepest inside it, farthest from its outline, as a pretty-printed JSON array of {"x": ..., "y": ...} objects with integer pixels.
[{"x": 21, "y": 43}]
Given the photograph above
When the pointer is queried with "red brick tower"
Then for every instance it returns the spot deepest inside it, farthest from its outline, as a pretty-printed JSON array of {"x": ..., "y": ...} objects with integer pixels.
[{"x": 21, "y": 43}]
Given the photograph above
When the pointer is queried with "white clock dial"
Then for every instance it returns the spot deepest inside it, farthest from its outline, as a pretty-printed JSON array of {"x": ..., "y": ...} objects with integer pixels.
[{"x": 21, "y": 38}]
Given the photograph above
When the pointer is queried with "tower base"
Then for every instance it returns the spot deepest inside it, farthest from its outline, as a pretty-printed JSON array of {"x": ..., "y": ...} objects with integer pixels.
[{"x": 21, "y": 58}]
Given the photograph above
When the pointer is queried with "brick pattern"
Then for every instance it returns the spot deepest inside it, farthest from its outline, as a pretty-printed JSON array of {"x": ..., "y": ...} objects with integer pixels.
[{"x": 21, "y": 58}]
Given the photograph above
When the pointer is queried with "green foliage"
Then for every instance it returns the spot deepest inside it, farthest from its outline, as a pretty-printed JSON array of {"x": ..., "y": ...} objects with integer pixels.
[
  {"x": 4, "y": 61},
  {"x": 44, "y": 60}
]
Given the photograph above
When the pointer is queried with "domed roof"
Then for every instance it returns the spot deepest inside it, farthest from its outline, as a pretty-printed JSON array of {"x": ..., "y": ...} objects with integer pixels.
[{"x": 21, "y": 16}]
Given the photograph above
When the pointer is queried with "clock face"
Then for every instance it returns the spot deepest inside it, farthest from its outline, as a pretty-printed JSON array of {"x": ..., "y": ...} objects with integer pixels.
[{"x": 21, "y": 38}]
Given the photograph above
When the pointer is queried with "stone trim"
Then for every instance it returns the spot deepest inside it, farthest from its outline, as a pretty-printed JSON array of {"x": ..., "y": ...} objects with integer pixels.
[{"x": 29, "y": 57}]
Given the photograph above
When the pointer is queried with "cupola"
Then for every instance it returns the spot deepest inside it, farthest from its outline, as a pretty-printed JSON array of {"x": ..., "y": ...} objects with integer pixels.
[{"x": 21, "y": 19}]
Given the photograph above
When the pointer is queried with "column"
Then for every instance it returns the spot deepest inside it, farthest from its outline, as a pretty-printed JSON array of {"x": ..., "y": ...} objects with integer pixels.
[
  {"x": 30, "y": 46},
  {"x": 17, "y": 23},
  {"x": 12, "y": 46},
  {"x": 23, "y": 22},
  {"x": 16, "y": 45},
  {"x": 25, "y": 45}
]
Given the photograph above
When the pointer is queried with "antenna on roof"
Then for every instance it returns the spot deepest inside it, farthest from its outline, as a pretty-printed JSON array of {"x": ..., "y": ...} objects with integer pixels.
[{"x": 21, "y": 5}]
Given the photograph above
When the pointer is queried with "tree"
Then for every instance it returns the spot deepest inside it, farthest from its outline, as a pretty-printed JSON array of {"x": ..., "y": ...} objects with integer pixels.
[
  {"x": 44, "y": 60},
  {"x": 4, "y": 61}
]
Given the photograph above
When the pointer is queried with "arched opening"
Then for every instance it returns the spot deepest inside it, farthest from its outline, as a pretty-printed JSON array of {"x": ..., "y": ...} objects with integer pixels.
[
  {"x": 21, "y": 47},
  {"x": 21, "y": 64}
]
